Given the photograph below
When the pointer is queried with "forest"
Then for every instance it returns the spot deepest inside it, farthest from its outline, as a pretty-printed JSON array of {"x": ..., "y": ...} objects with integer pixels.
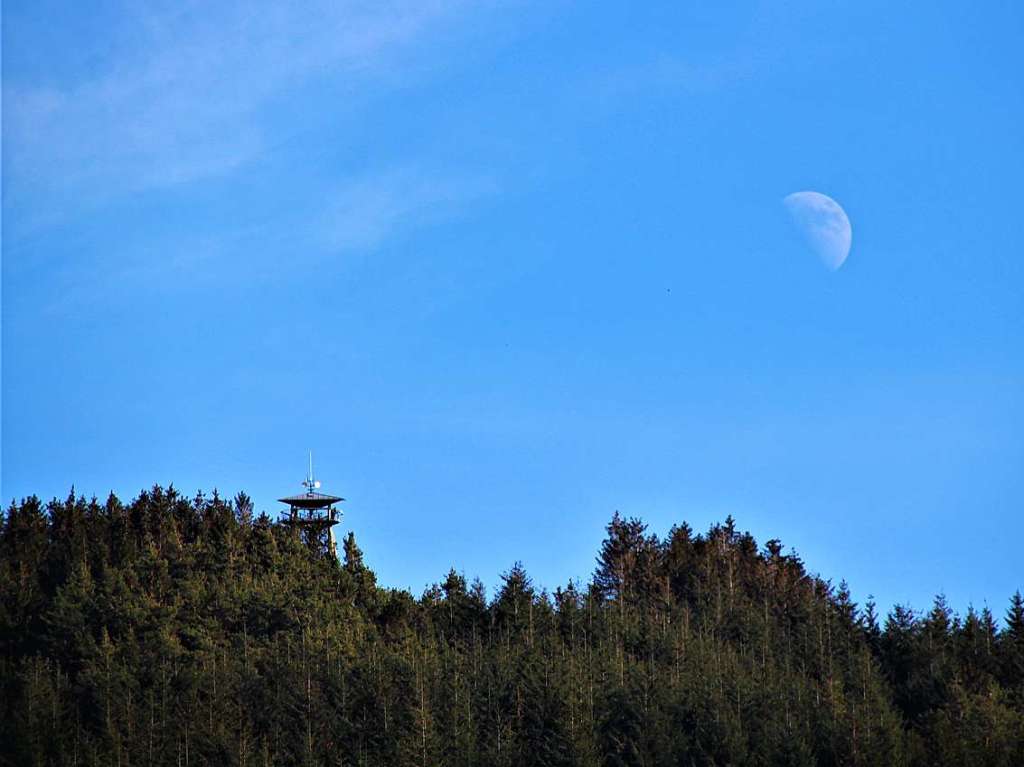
[{"x": 177, "y": 630}]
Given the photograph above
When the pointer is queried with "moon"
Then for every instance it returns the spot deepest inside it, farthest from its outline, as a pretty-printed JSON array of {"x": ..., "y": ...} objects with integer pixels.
[{"x": 824, "y": 225}]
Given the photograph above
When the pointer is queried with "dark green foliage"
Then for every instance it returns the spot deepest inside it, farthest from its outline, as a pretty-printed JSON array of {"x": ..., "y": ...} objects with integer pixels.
[{"x": 176, "y": 631}]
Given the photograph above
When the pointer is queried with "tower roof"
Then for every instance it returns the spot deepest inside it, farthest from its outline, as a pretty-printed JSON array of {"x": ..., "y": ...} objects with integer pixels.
[{"x": 311, "y": 500}]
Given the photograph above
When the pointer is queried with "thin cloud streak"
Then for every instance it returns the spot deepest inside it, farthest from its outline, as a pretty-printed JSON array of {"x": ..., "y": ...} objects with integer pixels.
[
  {"x": 187, "y": 98},
  {"x": 356, "y": 218},
  {"x": 369, "y": 210}
]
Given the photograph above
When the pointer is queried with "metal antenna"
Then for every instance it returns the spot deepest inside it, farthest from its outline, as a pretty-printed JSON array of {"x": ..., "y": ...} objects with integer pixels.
[{"x": 309, "y": 483}]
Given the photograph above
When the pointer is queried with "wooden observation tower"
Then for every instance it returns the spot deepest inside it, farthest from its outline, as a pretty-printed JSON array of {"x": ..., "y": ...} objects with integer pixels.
[{"x": 313, "y": 515}]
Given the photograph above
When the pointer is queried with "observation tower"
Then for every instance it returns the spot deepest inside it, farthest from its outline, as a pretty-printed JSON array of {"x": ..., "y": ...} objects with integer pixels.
[{"x": 313, "y": 516}]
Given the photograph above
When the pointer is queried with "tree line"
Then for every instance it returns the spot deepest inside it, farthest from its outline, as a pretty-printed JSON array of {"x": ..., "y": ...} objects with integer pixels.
[{"x": 192, "y": 631}]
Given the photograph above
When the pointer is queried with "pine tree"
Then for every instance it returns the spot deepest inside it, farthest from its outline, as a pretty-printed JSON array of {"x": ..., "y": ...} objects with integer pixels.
[
  {"x": 1011, "y": 651},
  {"x": 620, "y": 731}
]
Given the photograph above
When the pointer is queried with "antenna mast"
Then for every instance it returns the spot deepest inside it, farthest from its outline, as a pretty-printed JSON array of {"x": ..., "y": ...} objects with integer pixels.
[{"x": 310, "y": 483}]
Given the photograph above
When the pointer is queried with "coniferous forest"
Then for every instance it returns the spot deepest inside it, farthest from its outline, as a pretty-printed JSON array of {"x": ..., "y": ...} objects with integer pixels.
[{"x": 191, "y": 631}]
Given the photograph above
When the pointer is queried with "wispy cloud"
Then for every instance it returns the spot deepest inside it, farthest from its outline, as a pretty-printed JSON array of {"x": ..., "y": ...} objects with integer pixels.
[
  {"x": 672, "y": 73},
  {"x": 189, "y": 95},
  {"x": 358, "y": 216},
  {"x": 367, "y": 210}
]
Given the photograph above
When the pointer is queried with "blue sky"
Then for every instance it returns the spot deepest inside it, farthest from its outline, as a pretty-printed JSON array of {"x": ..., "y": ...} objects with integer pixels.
[{"x": 509, "y": 267}]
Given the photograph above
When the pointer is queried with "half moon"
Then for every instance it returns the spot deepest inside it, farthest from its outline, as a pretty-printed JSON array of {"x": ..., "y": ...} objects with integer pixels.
[{"x": 824, "y": 225}]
